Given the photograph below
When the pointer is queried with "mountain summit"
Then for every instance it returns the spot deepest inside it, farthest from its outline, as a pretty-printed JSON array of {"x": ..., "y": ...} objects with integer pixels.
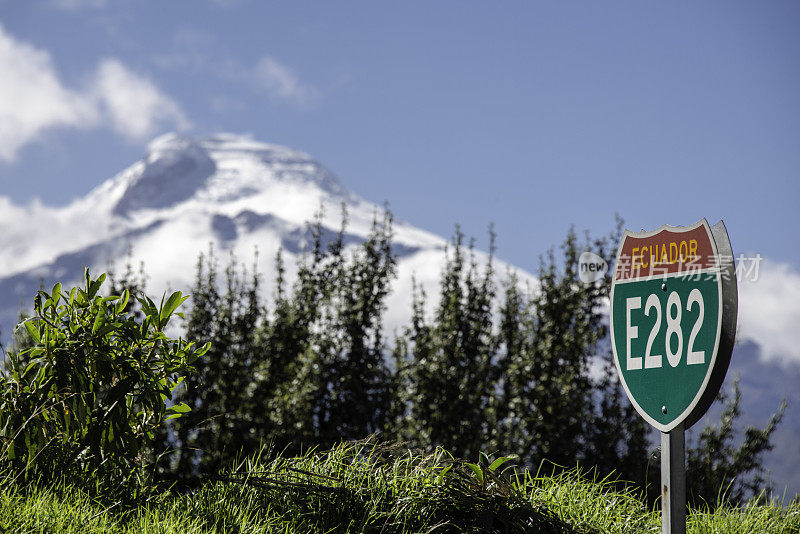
[
  {"x": 217, "y": 169},
  {"x": 186, "y": 194}
]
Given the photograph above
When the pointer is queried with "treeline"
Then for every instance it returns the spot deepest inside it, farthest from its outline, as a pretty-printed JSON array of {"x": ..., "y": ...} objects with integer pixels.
[{"x": 507, "y": 369}]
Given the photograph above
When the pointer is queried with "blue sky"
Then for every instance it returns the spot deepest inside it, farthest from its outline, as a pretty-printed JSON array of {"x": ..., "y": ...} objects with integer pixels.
[{"x": 535, "y": 116}]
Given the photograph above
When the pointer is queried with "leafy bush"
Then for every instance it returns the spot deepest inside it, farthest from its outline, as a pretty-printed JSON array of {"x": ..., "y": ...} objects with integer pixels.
[{"x": 91, "y": 391}]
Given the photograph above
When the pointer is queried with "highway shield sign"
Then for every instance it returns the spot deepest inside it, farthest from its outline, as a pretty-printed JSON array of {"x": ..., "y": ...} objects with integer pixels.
[{"x": 673, "y": 319}]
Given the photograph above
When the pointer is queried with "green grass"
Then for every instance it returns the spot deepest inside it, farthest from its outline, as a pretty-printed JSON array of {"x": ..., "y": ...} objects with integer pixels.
[{"x": 375, "y": 489}]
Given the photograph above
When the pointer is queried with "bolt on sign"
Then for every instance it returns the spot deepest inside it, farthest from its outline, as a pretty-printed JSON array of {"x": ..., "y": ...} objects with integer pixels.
[{"x": 671, "y": 338}]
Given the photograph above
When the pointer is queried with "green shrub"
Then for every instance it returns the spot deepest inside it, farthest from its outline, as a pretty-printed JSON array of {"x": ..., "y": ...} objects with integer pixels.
[{"x": 89, "y": 394}]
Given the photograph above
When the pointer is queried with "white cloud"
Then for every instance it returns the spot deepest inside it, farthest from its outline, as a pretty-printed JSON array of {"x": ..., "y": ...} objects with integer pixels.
[
  {"x": 769, "y": 310},
  {"x": 133, "y": 105},
  {"x": 280, "y": 83},
  {"x": 36, "y": 233},
  {"x": 33, "y": 99}
]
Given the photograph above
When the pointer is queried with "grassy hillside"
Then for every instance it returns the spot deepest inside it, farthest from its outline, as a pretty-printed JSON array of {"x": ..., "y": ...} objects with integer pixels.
[{"x": 368, "y": 488}]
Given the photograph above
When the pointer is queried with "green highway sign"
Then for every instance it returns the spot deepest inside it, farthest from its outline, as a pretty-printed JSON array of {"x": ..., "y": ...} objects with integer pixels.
[{"x": 673, "y": 320}]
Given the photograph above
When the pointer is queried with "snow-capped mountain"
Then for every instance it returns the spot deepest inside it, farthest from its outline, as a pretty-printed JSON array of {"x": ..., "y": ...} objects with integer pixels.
[
  {"x": 238, "y": 194},
  {"x": 185, "y": 195}
]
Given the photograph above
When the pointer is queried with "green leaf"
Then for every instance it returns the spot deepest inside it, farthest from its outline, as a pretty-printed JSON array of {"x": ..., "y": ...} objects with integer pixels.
[
  {"x": 99, "y": 319},
  {"x": 176, "y": 383},
  {"x": 148, "y": 306},
  {"x": 106, "y": 329},
  {"x": 33, "y": 331},
  {"x": 174, "y": 300},
  {"x": 500, "y": 461},
  {"x": 94, "y": 287},
  {"x": 477, "y": 470},
  {"x": 33, "y": 364},
  {"x": 194, "y": 355},
  {"x": 440, "y": 476},
  {"x": 177, "y": 410},
  {"x": 123, "y": 301},
  {"x": 56, "y": 292},
  {"x": 143, "y": 328}
]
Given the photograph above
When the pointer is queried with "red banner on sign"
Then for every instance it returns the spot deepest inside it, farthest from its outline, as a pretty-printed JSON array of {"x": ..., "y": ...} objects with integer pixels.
[{"x": 665, "y": 252}]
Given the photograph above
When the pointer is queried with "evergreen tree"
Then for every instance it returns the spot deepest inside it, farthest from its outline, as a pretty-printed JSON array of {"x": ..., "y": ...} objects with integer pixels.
[
  {"x": 446, "y": 370},
  {"x": 514, "y": 338},
  {"x": 287, "y": 371},
  {"x": 547, "y": 397},
  {"x": 232, "y": 354},
  {"x": 329, "y": 334},
  {"x": 356, "y": 399},
  {"x": 188, "y": 433},
  {"x": 220, "y": 393},
  {"x": 311, "y": 373}
]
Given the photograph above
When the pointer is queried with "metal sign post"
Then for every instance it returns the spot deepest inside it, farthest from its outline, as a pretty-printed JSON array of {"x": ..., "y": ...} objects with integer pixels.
[
  {"x": 673, "y": 322},
  {"x": 673, "y": 481}
]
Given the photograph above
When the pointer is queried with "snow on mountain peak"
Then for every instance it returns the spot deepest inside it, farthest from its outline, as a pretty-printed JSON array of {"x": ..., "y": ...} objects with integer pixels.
[
  {"x": 217, "y": 169},
  {"x": 174, "y": 169},
  {"x": 226, "y": 188}
]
